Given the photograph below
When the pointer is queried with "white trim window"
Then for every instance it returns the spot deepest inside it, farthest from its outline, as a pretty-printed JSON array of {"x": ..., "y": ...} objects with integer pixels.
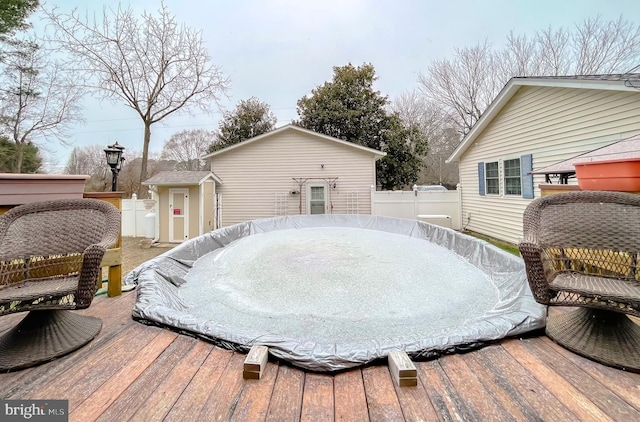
[
  {"x": 492, "y": 178},
  {"x": 512, "y": 177},
  {"x": 507, "y": 177},
  {"x": 317, "y": 198}
]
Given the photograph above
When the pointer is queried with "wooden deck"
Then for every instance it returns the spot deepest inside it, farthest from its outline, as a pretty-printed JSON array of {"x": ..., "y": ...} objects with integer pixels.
[{"x": 136, "y": 372}]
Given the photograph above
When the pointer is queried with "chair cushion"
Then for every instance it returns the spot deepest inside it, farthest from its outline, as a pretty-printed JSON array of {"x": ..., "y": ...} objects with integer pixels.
[
  {"x": 38, "y": 290},
  {"x": 607, "y": 288}
]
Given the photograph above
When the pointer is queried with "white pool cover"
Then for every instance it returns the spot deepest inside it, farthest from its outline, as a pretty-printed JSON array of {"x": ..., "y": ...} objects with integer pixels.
[{"x": 330, "y": 292}]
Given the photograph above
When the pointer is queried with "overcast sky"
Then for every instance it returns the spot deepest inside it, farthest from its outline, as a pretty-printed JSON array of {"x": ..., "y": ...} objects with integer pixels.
[{"x": 279, "y": 50}]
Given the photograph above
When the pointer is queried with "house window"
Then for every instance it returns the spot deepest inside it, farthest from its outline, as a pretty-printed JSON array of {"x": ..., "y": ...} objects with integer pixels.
[
  {"x": 317, "y": 200},
  {"x": 516, "y": 177},
  {"x": 492, "y": 178},
  {"x": 512, "y": 178}
]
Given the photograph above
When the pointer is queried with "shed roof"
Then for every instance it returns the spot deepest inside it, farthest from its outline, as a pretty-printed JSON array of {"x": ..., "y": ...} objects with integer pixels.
[
  {"x": 623, "y": 149},
  {"x": 289, "y": 127},
  {"x": 177, "y": 178},
  {"x": 616, "y": 82}
]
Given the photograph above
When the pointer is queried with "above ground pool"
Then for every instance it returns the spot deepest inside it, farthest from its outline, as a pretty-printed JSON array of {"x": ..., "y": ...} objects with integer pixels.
[{"x": 331, "y": 292}]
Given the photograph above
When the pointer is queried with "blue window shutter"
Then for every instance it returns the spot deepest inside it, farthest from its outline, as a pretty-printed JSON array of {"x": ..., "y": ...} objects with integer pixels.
[
  {"x": 481, "y": 178},
  {"x": 526, "y": 165}
]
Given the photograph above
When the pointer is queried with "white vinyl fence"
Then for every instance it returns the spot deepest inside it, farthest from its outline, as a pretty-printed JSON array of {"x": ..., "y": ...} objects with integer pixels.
[
  {"x": 133, "y": 213},
  {"x": 443, "y": 208}
]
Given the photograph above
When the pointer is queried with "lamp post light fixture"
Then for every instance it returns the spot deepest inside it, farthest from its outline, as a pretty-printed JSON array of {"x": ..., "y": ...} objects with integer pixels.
[{"x": 115, "y": 160}]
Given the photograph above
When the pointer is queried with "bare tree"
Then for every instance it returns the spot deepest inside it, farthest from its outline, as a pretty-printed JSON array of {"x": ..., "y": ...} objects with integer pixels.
[
  {"x": 154, "y": 65},
  {"x": 186, "y": 148},
  {"x": 555, "y": 58},
  {"x": 90, "y": 161},
  {"x": 415, "y": 109},
  {"x": 86, "y": 160},
  {"x": 38, "y": 97},
  {"x": 129, "y": 181},
  {"x": 520, "y": 56},
  {"x": 465, "y": 85},
  {"x": 437, "y": 170},
  {"x": 605, "y": 47}
]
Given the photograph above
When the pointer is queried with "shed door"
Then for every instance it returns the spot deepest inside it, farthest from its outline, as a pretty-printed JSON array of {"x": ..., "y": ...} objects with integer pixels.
[
  {"x": 317, "y": 198},
  {"x": 178, "y": 215}
]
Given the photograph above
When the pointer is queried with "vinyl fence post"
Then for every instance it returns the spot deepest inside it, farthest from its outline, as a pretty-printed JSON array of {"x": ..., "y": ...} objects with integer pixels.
[{"x": 373, "y": 202}]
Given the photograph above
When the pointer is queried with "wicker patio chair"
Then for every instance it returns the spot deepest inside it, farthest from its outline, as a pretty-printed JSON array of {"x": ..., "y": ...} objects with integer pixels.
[
  {"x": 581, "y": 249},
  {"x": 50, "y": 256}
]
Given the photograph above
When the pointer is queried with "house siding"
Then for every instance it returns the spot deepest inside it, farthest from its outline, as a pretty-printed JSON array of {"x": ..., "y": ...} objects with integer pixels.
[
  {"x": 255, "y": 175},
  {"x": 552, "y": 124}
]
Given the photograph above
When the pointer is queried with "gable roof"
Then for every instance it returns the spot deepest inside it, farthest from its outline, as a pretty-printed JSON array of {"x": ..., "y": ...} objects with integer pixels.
[
  {"x": 615, "y": 82},
  {"x": 292, "y": 127},
  {"x": 184, "y": 178}
]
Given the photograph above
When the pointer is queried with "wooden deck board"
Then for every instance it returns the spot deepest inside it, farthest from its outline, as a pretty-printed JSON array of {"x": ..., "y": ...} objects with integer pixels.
[
  {"x": 194, "y": 397},
  {"x": 223, "y": 400},
  {"x": 318, "y": 398},
  {"x": 167, "y": 393},
  {"x": 627, "y": 388},
  {"x": 471, "y": 390},
  {"x": 137, "y": 372},
  {"x": 351, "y": 402},
  {"x": 608, "y": 402},
  {"x": 415, "y": 403},
  {"x": 138, "y": 392},
  {"x": 529, "y": 389},
  {"x": 447, "y": 402},
  {"x": 286, "y": 398},
  {"x": 101, "y": 367},
  {"x": 499, "y": 381},
  {"x": 254, "y": 402},
  {"x": 566, "y": 393},
  {"x": 382, "y": 400},
  {"x": 130, "y": 369}
]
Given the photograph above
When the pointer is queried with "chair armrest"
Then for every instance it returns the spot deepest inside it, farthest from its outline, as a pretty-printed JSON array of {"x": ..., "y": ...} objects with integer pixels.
[
  {"x": 532, "y": 255},
  {"x": 92, "y": 260},
  {"x": 91, "y": 266}
]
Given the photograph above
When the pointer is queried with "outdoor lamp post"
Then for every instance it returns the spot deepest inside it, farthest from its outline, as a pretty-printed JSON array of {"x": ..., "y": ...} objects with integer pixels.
[{"x": 115, "y": 160}]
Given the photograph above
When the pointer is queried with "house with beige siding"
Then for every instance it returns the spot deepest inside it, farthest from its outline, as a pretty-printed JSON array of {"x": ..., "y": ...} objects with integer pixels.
[
  {"x": 290, "y": 171},
  {"x": 535, "y": 122}
]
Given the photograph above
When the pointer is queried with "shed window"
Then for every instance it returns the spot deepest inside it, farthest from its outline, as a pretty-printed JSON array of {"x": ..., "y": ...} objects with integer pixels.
[
  {"x": 512, "y": 179},
  {"x": 492, "y": 178}
]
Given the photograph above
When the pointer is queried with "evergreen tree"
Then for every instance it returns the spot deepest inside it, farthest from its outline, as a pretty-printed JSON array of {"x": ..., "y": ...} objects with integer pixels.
[
  {"x": 250, "y": 118},
  {"x": 348, "y": 108}
]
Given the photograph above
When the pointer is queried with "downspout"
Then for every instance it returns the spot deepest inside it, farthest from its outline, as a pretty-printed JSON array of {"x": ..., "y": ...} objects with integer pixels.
[
  {"x": 154, "y": 195},
  {"x": 201, "y": 208},
  {"x": 460, "y": 214}
]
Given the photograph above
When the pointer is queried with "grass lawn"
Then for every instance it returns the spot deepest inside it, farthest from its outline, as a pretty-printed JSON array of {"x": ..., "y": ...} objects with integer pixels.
[{"x": 509, "y": 247}]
